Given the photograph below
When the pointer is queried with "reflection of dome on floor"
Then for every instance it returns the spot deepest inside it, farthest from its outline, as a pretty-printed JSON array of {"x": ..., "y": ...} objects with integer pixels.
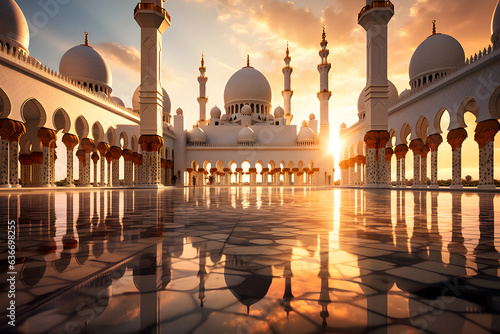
[{"x": 249, "y": 283}]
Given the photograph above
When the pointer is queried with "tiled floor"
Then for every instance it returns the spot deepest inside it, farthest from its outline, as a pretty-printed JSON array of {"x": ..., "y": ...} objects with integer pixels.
[{"x": 253, "y": 260}]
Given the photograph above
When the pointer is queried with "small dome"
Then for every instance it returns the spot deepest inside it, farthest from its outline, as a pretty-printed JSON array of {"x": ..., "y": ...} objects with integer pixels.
[
  {"x": 269, "y": 118},
  {"x": 246, "y": 110},
  {"x": 118, "y": 101},
  {"x": 247, "y": 85},
  {"x": 179, "y": 112},
  {"x": 246, "y": 135},
  {"x": 167, "y": 104},
  {"x": 343, "y": 126},
  {"x": 404, "y": 93},
  {"x": 393, "y": 97},
  {"x": 13, "y": 26},
  {"x": 304, "y": 124},
  {"x": 215, "y": 112},
  {"x": 279, "y": 112},
  {"x": 438, "y": 53},
  {"x": 306, "y": 135},
  {"x": 224, "y": 118},
  {"x": 197, "y": 136},
  {"x": 495, "y": 24},
  {"x": 83, "y": 63},
  {"x": 312, "y": 117}
]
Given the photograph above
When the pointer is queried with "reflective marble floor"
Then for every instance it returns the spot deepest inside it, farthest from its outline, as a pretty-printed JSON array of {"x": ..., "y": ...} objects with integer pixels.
[{"x": 253, "y": 260}]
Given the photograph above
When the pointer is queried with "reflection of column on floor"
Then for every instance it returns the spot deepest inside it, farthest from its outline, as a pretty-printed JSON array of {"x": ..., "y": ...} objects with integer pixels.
[
  {"x": 433, "y": 142},
  {"x": 324, "y": 275},
  {"x": 456, "y": 247},
  {"x": 436, "y": 243},
  {"x": 389, "y": 152},
  {"x": 103, "y": 148},
  {"x": 455, "y": 138},
  {"x": 485, "y": 136}
]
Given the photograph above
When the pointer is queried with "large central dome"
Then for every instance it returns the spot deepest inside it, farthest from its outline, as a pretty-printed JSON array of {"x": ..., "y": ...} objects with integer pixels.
[{"x": 248, "y": 86}]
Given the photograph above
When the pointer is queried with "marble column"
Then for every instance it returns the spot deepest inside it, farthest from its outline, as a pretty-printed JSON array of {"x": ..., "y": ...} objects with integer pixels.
[
  {"x": 359, "y": 173},
  {"x": 455, "y": 138},
  {"x": 381, "y": 146},
  {"x": 88, "y": 146},
  {"x": 389, "y": 152},
  {"x": 80, "y": 154},
  {"x": 128, "y": 169},
  {"x": 95, "y": 160},
  {"x": 26, "y": 165},
  {"x": 433, "y": 141},
  {"x": 116, "y": 153},
  {"x": 14, "y": 153},
  {"x": 151, "y": 147},
  {"x": 4, "y": 163},
  {"x": 163, "y": 169},
  {"x": 485, "y": 136},
  {"x": 352, "y": 171},
  {"x": 170, "y": 168},
  {"x": 36, "y": 168},
  {"x": 416, "y": 146},
  {"x": 400, "y": 152},
  {"x": 423, "y": 166},
  {"x": 47, "y": 138},
  {"x": 109, "y": 159},
  {"x": 265, "y": 176},
  {"x": 375, "y": 160},
  {"x": 103, "y": 148},
  {"x": 70, "y": 141}
]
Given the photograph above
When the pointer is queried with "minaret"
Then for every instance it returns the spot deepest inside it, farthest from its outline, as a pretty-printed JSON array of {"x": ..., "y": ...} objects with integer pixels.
[
  {"x": 153, "y": 20},
  {"x": 287, "y": 93},
  {"x": 375, "y": 19},
  {"x": 326, "y": 158},
  {"x": 203, "y": 99}
]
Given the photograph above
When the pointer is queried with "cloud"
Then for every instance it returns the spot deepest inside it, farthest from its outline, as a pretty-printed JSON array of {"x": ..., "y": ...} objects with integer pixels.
[{"x": 120, "y": 56}]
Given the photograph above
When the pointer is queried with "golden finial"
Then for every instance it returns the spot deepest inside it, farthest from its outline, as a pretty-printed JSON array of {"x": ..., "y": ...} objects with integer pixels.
[
  {"x": 434, "y": 27},
  {"x": 86, "y": 38},
  {"x": 248, "y": 60},
  {"x": 287, "y": 51},
  {"x": 324, "y": 33},
  {"x": 246, "y": 125},
  {"x": 202, "y": 60}
]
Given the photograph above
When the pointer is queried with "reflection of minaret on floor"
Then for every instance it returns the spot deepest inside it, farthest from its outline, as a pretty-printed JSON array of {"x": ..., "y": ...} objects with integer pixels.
[{"x": 324, "y": 274}]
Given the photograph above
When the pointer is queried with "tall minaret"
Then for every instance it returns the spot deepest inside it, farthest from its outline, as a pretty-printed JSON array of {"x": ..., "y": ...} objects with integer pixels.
[
  {"x": 287, "y": 93},
  {"x": 203, "y": 99},
  {"x": 375, "y": 19},
  {"x": 326, "y": 159},
  {"x": 153, "y": 20}
]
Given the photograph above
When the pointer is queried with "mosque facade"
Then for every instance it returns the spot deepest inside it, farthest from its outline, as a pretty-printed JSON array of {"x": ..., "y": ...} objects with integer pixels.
[{"x": 245, "y": 143}]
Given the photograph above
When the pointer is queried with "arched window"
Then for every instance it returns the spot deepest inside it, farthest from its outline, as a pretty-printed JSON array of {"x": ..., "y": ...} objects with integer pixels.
[
  {"x": 430, "y": 78},
  {"x": 424, "y": 81},
  {"x": 257, "y": 109},
  {"x": 419, "y": 82},
  {"x": 252, "y": 106},
  {"x": 216, "y": 123}
]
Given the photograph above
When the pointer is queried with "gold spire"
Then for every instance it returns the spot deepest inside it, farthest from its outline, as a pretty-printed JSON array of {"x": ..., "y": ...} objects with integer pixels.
[
  {"x": 324, "y": 33},
  {"x": 248, "y": 60},
  {"x": 246, "y": 125},
  {"x": 287, "y": 51},
  {"x": 86, "y": 38},
  {"x": 202, "y": 60},
  {"x": 434, "y": 27}
]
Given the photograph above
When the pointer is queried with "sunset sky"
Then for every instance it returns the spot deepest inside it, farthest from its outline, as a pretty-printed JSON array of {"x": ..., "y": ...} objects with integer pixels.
[{"x": 227, "y": 30}]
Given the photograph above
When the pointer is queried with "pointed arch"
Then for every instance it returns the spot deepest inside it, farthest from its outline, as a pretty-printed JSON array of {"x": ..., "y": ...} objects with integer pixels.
[
  {"x": 61, "y": 120},
  {"x": 5, "y": 105},
  {"x": 111, "y": 136},
  {"x": 81, "y": 127},
  {"x": 134, "y": 143},
  {"x": 123, "y": 140},
  {"x": 33, "y": 112},
  {"x": 437, "y": 120},
  {"x": 97, "y": 132},
  {"x": 404, "y": 133},
  {"x": 467, "y": 105},
  {"x": 422, "y": 128}
]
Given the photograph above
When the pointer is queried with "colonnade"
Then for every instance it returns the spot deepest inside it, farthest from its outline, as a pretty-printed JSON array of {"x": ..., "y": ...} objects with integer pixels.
[{"x": 353, "y": 170}]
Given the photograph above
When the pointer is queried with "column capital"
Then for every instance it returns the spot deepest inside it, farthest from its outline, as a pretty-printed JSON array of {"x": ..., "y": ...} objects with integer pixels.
[
  {"x": 433, "y": 141},
  {"x": 116, "y": 152},
  {"x": 109, "y": 157},
  {"x": 163, "y": 163},
  {"x": 417, "y": 145},
  {"x": 128, "y": 155},
  {"x": 37, "y": 157},
  {"x": 25, "y": 159},
  {"x": 456, "y": 137},
  {"x": 485, "y": 132},
  {"x": 344, "y": 164},
  {"x": 151, "y": 143},
  {"x": 88, "y": 145},
  {"x": 170, "y": 164},
  {"x": 425, "y": 151},
  {"x": 389, "y": 152},
  {"x": 80, "y": 154},
  {"x": 47, "y": 136},
  {"x": 352, "y": 162},
  {"x": 401, "y": 151},
  {"x": 11, "y": 130},
  {"x": 70, "y": 141},
  {"x": 95, "y": 157},
  {"x": 103, "y": 147}
]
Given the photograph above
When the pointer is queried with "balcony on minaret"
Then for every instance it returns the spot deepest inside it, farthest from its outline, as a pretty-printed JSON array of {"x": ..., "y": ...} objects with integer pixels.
[
  {"x": 370, "y": 4},
  {"x": 152, "y": 15}
]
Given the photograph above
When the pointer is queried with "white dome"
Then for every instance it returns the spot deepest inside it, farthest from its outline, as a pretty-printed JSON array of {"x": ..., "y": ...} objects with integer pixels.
[
  {"x": 167, "y": 105},
  {"x": 306, "y": 135},
  {"x": 495, "y": 23},
  {"x": 197, "y": 135},
  {"x": 437, "y": 53},
  {"x": 269, "y": 118},
  {"x": 247, "y": 86},
  {"x": 312, "y": 117},
  {"x": 304, "y": 124},
  {"x": 224, "y": 118},
  {"x": 179, "y": 112},
  {"x": 405, "y": 93},
  {"x": 343, "y": 126},
  {"x": 246, "y": 135},
  {"x": 279, "y": 112},
  {"x": 393, "y": 97},
  {"x": 215, "y": 112},
  {"x": 13, "y": 26},
  {"x": 246, "y": 110},
  {"x": 118, "y": 101},
  {"x": 83, "y": 63}
]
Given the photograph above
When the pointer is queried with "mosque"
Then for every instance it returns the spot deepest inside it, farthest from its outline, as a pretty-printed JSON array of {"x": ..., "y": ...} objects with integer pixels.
[{"x": 246, "y": 143}]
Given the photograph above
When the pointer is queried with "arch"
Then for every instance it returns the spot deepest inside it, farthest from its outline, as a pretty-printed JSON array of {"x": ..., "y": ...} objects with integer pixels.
[
  {"x": 422, "y": 128},
  {"x": 61, "y": 120},
  {"x": 352, "y": 152},
  {"x": 494, "y": 104},
  {"x": 26, "y": 148},
  {"x": 206, "y": 165},
  {"x": 167, "y": 153},
  {"x": 361, "y": 146},
  {"x": 467, "y": 105},
  {"x": 111, "y": 136},
  {"x": 437, "y": 120},
  {"x": 123, "y": 140},
  {"x": 300, "y": 165},
  {"x": 195, "y": 165},
  {"x": 33, "y": 112},
  {"x": 5, "y": 105},
  {"x": 271, "y": 164},
  {"x": 404, "y": 133},
  {"x": 81, "y": 127},
  {"x": 291, "y": 165},
  {"x": 134, "y": 143},
  {"x": 220, "y": 165},
  {"x": 346, "y": 153},
  {"x": 311, "y": 164},
  {"x": 97, "y": 132}
]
